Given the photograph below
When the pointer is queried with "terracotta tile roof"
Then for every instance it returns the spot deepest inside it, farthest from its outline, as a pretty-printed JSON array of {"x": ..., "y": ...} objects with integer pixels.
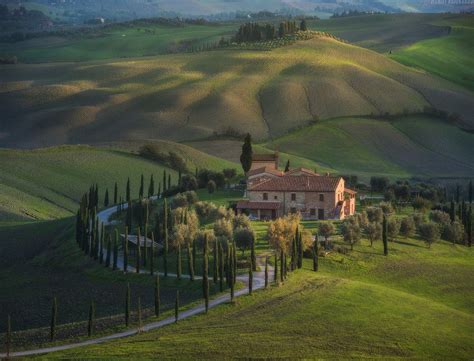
[
  {"x": 261, "y": 170},
  {"x": 350, "y": 191},
  {"x": 265, "y": 157},
  {"x": 298, "y": 184},
  {"x": 257, "y": 205},
  {"x": 302, "y": 170}
]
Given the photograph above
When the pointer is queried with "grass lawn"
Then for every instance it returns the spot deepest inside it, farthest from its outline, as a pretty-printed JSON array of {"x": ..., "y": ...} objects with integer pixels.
[{"x": 415, "y": 303}]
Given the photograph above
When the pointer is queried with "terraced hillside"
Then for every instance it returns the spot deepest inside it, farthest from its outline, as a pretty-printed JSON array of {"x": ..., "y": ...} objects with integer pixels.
[
  {"x": 47, "y": 183},
  {"x": 182, "y": 97}
]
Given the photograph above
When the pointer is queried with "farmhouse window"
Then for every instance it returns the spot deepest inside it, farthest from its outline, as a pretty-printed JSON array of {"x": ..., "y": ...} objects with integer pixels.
[
  {"x": 312, "y": 212},
  {"x": 321, "y": 197},
  {"x": 293, "y": 196},
  {"x": 275, "y": 197},
  {"x": 265, "y": 196}
]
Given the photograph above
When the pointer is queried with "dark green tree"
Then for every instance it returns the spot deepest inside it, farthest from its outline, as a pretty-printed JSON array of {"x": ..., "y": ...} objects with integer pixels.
[
  {"x": 102, "y": 244},
  {"x": 178, "y": 262},
  {"x": 151, "y": 187},
  {"x": 125, "y": 251},
  {"x": 205, "y": 276},
  {"x": 470, "y": 192},
  {"x": 106, "y": 198},
  {"x": 139, "y": 315},
  {"x": 315, "y": 255},
  {"x": 8, "y": 339},
  {"x": 90, "y": 324},
  {"x": 469, "y": 227},
  {"x": 54, "y": 319},
  {"x": 116, "y": 241},
  {"x": 452, "y": 211},
  {"x": 165, "y": 237},
  {"x": 109, "y": 251},
  {"x": 287, "y": 167},
  {"x": 231, "y": 273},
  {"x": 127, "y": 191},
  {"x": 169, "y": 181},
  {"x": 253, "y": 255},
  {"x": 221, "y": 267},
  {"x": 176, "y": 308},
  {"x": 303, "y": 25},
  {"x": 282, "y": 266},
  {"x": 145, "y": 238},
  {"x": 250, "y": 276},
  {"x": 246, "y": 156},
  {"x": 275, "y": 269},
  {"x": 152, "y": 254},
  {"x": 138, "y": 255},
  {"x": 157, "y": 296},
  {"x": 266, "y": 272},
  {"x": 164, "y": 181},
  {"x": 115, "y": 193},
  {"x": 142, "y": 187},
  {"x": 300, "y": 250},
  {"x": 190, "y": 263},
  {"x": 385, "y": 235},
  {"x": 215, "y": 264},
  {"x": 127, "y": 305}
]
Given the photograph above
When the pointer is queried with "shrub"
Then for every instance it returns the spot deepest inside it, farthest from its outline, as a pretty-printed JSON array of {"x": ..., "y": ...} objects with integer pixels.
[
  {"x": 429, "y": 231},
  {"x": 191, "y": 197},
  {"x": 180, "y": 200},
  {"x": 223, "y": 229},
  {"x": 454, "y": 232},
  {"x": 386, "y": 207},
  {"x": 373, "y": 231},
  {"x": 243, "y": 238},
  {"x": 418, "y": 218},
  {"x": 379, "y": 184},
  {"x": 211, "y": 186},
  {"x": 189, "y": 182},
  {"x": 421, "y": 204},
  {"x": 205, "y": 209},
  {"x": 393, "y": 228},
  {"x": 374, "y": 214},
  {"x": 440, "y": 217},
  {"x": 326, "y": 230},
  {"x": 242, "y": 221},
  {"x": 407, "y": 227}
]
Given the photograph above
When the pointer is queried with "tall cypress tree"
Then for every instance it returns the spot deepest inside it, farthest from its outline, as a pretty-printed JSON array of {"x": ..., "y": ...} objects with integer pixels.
[
  {"x": 178, "y": 262},
  {"x": 385, "y": 235},
  {"x": 127, "y": 191},
  {"x": 115, "y": 193},
  {"x": 250, "y": 276},
  {"x": 165, "y": 237},
  {"x": 176, "y": 308},
  {"x": 469, "y": 227},
  {"x": 152, "y": 254},
  {"x": 145, "y": 241},
  {"x": 109, "y": 251},
  {"x": 151, "y": 187},
  {"x": 452, "y": 212},
  {"x": 142, "y": 186},
  {"x": 8, "y": 340},
  {"x": 194, "y": 253},
  {"x": 253, "y": 255},
  {"x": 246, "y": 155},
  {"x": 300, "y": 250},
  {"x": 215, "y": 270},
  {"x": 127, "y": 305},
  {"x": 102, "y": 244},
  {"x": 164, "y": 181},
  {"x": 470, "y": 192},
  {"x": 315, "y": 255},
  {"x": 266, "y": 272},
  {"x": 125, "y": 251},
  {"x": 54, "y": 319},
  {"x": 169, "y": 181},
  {"x": 90, "y": 324},
  {"x": 116, "y": 241},
  {"x": 287, "y": 166},
  {"x": 234, "y": 263},
  {"x": 157, "y": 296},
  {"x": 190, "y": 263},
  {"x": 139, "y": 314},
  {"x": 106, "y": 198},
  {"x": 282, "y": 266},
  {"x": 231, "y": 273},
  {"x": 221, "y": 267},
  {"x": 138, "y": 255},
  {"x": 275, "y": 269},
  {"x": 205, "y": 277}
]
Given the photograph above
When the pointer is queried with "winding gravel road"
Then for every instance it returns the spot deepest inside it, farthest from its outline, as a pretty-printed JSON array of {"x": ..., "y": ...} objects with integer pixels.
[{"x": 104, "y": 215}]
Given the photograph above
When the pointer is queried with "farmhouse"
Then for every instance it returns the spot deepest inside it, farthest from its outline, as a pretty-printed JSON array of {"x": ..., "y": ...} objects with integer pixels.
[{"x": 272, "y": 193}]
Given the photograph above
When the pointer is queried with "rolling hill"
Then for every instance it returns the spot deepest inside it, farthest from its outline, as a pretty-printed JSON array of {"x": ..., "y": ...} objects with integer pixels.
[{"x": 185, "y": 97}]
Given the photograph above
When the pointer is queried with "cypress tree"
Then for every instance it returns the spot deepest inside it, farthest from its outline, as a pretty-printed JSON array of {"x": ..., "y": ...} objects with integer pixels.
[
  {"x": 169, "y": 181},
  {"x": 127, "y": 305},
  {"x": 190, "y": 263},
  {"x": 470, "y": 192},
  {"x": 293, "y": 251},
  {"x": 97, "y": 239},
  {"x": 116, "y": 240},
  {"x": 215, "y": 270},
  {"x": 139, "y": 315},
  {"x": 452, "y": 212},
  {"x": 8, "y": 340},
  {"x": 253, "y": 254},
  {"x": 125, "y": 251},
  {"x": 194, "y": 253},
  {"x": 165, "y": 237},
  {"x": 164, "y": 181},
  {"x": 159, "y": 190},
  {"x": 234, "y": 263},
  {"x": 115, "y": 193},
  {"x": 127, "y": 191},
  {"x": 151, "y": 187},
  {"x": 106, "y": 198},
  {"x": 221, "y": 268},
  {"x": 287, "y": 167},
  {"x": 205, "y": 276},
  {"x": 266, "y": 272},
  {"x": 101, "y": 245},
  {"x": 179, "y": 177},
  {"x": 129, "y": 215},
  {"x": 458, "y": 192},
  {"x": 90, "y": 324},
  {"x": 385, "y": 236},
  {"x": 176, "y": 308},
  {"x": 152, "y": 254},
  {"x": 142, "y": 185},
  {"x": 231, "y": 274},
  {"x": 250, "y": 276},
  {"x": 109, "y": 251},
  {"x": 300, "y": 251},
  {"x": 315, "y": 255},
  {"x": 275, "y": 269},
  {"x": 145, "y": 243},
  {"x": 469, "y": 227},
  {"x": 157, "y": 296},
  {"x": 246, "y": 156},
  {"x": 282, "y": 266},
  {"x": 138, "y": 255},
  {"x": 178, "y": 262},
  {"x": 54, "y": 318}
]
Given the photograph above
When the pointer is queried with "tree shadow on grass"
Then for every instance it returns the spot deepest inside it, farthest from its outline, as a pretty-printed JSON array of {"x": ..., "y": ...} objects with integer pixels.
[{"x": 407, "y": 244}]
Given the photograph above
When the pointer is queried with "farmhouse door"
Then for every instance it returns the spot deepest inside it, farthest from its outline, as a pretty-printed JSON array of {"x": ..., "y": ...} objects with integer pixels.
[{"x": 321, "y": 213}]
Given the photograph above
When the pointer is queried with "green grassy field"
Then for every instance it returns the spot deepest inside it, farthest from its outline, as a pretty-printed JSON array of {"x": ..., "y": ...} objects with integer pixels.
[
  {"x": 47, "y": 183},
  {"x": 415, "y": 303},
  {"x": 117, "y": 42},
  {"x": 450, "y": 57},
  {"x": 192, "y": 96}
]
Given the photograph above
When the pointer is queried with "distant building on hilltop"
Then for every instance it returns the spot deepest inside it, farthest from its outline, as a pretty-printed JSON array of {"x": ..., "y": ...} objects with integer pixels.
[{"x": 272, "y": 193}]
